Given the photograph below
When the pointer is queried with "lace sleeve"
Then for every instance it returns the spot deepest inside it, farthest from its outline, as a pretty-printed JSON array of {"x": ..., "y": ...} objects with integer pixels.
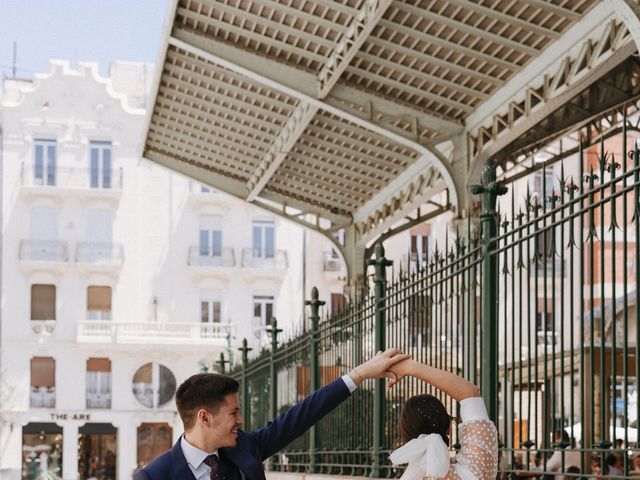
[{"x": 478, "y": 457}]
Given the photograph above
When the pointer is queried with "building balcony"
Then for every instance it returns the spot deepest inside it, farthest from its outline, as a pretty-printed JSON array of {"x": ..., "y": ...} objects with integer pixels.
[
  {"x": 264, "y": 263},
  {"x": 201, "y": 195},
  {"x": 43, "y": 328},
  {"x": 331, "y": 263},
  {"x": 43, "y": 397},
  {"x": 98, "y": 399},
  {"x": 99, "y": 257},
  {"x": 66, "y": 181},
  {"x": 207, "y": 263},
  {"x": 51, "y": 256},
  {"x": 153, "y": 333}
]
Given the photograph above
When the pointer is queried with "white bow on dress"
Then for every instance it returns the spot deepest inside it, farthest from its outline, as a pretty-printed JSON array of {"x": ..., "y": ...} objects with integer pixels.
[{"x": 427, "y": 456}]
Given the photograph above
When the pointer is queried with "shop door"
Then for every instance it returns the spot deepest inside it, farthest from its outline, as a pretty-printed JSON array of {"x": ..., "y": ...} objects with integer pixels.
[
  {"x": 153, "y": 440},
  {"x": 97, "y": 450}
]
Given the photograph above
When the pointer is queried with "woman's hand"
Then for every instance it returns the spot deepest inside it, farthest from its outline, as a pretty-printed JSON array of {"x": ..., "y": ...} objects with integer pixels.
[
  {"x": 399, "y": 371},
  {"x": 379, "y": 366}
]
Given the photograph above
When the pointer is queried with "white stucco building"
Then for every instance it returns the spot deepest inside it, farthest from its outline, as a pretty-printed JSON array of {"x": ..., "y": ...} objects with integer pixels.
[{"x": 120, "y": 278}]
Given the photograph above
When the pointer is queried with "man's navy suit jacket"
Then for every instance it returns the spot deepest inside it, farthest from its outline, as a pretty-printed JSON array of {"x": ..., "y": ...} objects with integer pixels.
[{"x": 254, "y": 447}]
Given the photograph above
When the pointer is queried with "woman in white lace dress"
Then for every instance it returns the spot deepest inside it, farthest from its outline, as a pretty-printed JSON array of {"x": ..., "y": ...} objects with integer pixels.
[{"x": 425, "y": 427}]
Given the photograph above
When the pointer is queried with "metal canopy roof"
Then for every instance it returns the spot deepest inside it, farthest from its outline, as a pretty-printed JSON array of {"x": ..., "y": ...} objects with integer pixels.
[{"x": 360, "y": 111}]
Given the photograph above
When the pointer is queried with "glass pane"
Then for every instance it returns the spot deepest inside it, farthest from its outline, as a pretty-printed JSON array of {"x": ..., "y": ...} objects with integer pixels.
[
  {"x": 257, "y": 241},
  {"x": 42, "y": 451},
  {"x": 269, "y": 313},
  {"x": 257, "y": 309},
  {"x": 269, "y": 249},
  {"x": 167, "y": 385},
  {"x": 216, "y": 243},
  {"x": 95, "y": 167},
  {"x": 204, "y": 242},
  {"x": 204, "y": 312},
  {"x": 51, "y": 165},
  {"x": 142, "y": 385},
  {"x": 216, "y": 312},
  {"x": 106, "y": 167},
  {"x": 39, "y": 166}
]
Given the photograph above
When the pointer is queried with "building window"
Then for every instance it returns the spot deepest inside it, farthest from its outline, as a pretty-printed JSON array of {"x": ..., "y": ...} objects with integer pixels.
[
  {"x": 43, "y": 302},
  {"x": 210, "y": 236},
  {"x": 98, "y": 383},
  {"x": 98, "y": 303},
  {"x": 263, "y": 309},
  {"x": 100, "y": 164},
  {"x": 43, "y": 382},
  {"x": 263, "y": 238},
  {"x": 210, "y": 311},
  {"x": 153, "y": 385},
  {"x": 338, "y": 303},
  {"x": 44, "y": 170},
  {"x": 546, "y": 334}
]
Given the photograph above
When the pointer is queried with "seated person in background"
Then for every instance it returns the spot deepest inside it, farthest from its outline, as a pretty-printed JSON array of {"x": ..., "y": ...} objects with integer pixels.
[
  {"x": 573, "y": 473},
  {"x": 614, "y": 464},
  {"x": 571, "y": 457}
]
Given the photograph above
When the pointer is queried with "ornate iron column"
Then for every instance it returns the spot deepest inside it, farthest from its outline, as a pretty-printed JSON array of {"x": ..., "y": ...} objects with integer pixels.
[{"x": 489, "y": 191}]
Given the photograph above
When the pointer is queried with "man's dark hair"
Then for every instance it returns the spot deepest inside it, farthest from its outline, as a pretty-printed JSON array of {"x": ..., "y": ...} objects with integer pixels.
[{"x": 204, "y": 390}]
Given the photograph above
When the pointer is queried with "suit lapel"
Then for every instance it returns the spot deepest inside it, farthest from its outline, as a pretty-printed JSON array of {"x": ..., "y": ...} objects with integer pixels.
[
  {"x": 179, "y": 467},
  {"x": 243, "y": 462}
]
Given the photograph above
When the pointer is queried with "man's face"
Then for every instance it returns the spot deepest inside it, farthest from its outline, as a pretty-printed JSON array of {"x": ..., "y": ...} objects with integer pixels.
[{"x": 223, "y": 428}]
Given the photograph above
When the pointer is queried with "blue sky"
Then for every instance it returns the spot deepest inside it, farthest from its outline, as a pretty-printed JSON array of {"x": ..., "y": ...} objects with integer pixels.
[{"x": 85, "y": 30}]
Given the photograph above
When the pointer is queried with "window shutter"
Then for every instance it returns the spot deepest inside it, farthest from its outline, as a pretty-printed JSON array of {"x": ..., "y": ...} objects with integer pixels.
[
  {"x": 99, "y": 298},
  {"x": 43, "y": 302},
  {"x": 43, "y": 372}
]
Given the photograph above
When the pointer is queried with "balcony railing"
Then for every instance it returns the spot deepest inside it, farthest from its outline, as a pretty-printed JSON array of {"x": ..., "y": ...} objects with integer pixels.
[
  {"x": 43, "y": 397},
  {"x": 72, "y": 178},
  {"x": 262, "y": 259},
  {"x": 43, "y": 328},
  {"x": 98, "y": 399},
  {"x": 199, "y": 257},
  {"x": 90, "y": 331},
  {"x": 43, "y": 251},
  {"x": 99, "y": 253},
  {"x": 547, "y": 340},
  {"x": 331, "y": 263}
]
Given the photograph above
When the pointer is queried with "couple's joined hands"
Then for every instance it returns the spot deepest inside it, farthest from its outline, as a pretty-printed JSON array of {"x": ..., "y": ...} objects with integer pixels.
[{"x": 387, "y": 364}]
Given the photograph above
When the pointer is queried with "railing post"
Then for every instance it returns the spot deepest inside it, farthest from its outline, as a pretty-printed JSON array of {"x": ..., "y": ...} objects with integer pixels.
[
  {"x": 221, "y": 363},
  {"x": 315, "y": 303},
  {"x": 273, "y": 375},
  {"x": 380, "y": 281},
  {"x": 489, "y": 191},
  {"x": 244, "y": 385}
]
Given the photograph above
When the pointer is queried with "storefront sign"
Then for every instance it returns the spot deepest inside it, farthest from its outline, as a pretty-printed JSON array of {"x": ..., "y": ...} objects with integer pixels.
[{"x": 70, "y": 416}]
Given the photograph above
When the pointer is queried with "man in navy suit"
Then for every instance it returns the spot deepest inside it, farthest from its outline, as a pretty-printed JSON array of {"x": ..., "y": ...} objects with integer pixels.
[{"x": 214, "y": 447}]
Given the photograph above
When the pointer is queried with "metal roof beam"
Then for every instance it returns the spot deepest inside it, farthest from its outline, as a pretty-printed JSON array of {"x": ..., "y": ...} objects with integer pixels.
[
  {"x": 467, "y": 29},
  {"x": 553, "y": 7},
  {"x": 350, "y": 42},
  {"x": 547, "y": 62},
  {"x": 207, "y": 50},
  {"x": 504, "y": 18},
  {"x": 629, "y": 12},
  {"x": 433, "y": 60},
  {"x": 281, "y": 146},
  {"x": 450, "y": 46}
]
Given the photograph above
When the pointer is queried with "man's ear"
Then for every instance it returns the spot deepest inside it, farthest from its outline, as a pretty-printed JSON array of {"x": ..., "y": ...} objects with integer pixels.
[{"x": 202, "y": 416}]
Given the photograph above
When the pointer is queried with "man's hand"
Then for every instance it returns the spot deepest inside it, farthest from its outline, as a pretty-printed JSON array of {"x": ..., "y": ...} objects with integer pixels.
[
  {"x": 399, "y": 371},
  {"x": 379, "y": 366}
]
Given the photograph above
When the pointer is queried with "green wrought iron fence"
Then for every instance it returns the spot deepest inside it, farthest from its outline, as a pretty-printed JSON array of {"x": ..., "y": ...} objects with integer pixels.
[{"x": 538, "y": 306}]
